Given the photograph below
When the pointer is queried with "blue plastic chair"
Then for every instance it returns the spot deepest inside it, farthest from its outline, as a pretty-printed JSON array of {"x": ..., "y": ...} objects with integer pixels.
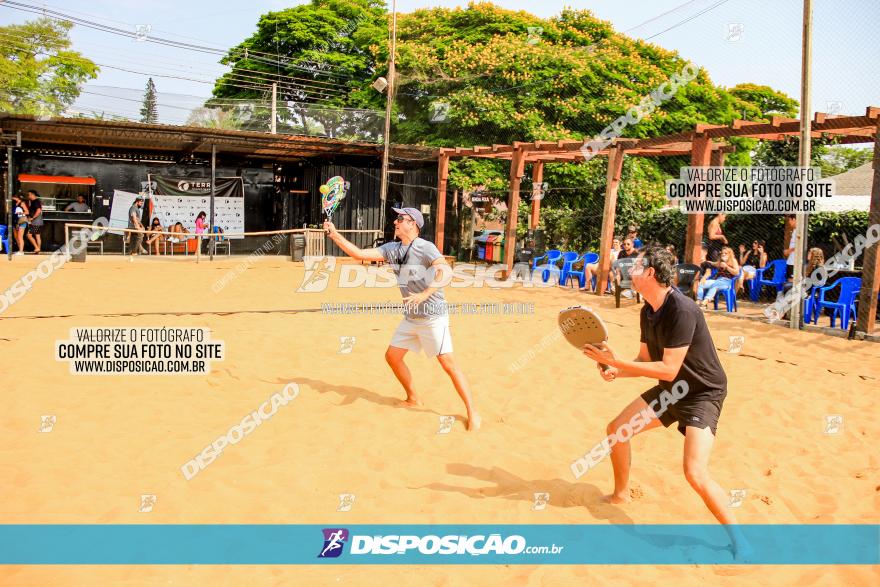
[
  {"x": 4, "y": 238},
  {"x": 811, "y": 307},
  {"x": 568, "y": 261},
  {"x": 777, "y": 269},
  {"x": 551, "y": 258},
  {"x": 581, "y": 274},
  {"x": 844, "y": 307},
  {"x": 729, "y": 293}
]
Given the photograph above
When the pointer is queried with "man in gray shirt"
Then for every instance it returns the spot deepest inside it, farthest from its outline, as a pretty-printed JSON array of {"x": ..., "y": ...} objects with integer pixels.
[
  {"x": 426, "y": 321},
  {"x": 78, "y": 206},
  {"x": 134, "y": 223}
]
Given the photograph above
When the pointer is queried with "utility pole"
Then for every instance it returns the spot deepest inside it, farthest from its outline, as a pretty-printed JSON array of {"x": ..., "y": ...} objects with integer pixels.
[
  {"x": 274, "y": 107},
  {"x": 389, "y": 102},
  {"x": 803, "y": 160}
]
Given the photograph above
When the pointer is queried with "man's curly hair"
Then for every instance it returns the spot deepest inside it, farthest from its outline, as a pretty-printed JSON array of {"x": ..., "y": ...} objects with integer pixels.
[{"x": 662, "y": 262}]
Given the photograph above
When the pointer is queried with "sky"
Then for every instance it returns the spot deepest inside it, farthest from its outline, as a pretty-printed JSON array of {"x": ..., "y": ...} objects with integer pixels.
[{"x": 736, "y": 41}]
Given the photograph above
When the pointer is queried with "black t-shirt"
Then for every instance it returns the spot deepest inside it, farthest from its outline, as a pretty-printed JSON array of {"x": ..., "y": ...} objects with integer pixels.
[
  {"x": 623, "y": 255},
  {"x": 33, "y": 207},
  {"x": 679, "y": 322},
  {"x": 705, "y": 266}
]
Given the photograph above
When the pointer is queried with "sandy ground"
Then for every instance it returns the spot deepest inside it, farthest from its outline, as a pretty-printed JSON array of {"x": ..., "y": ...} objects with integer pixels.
[{"x": 117, "y": 438}]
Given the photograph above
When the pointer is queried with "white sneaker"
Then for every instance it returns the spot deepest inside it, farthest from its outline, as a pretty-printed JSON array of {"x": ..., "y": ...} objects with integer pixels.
[
  {"x": 18, "y": 253},
  {"x": 627, "y": 294}
]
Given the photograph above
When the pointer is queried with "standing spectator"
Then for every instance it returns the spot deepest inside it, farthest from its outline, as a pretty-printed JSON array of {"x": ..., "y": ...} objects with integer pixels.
[
  {"x": 20, "y": 211},
  {"x": 633, "y": 234},
  {"x": 134, "y": 223},
  {"x": 201, "y": 226},
  {"x": 716, "y": 237},
  {"x": 201, "y": 223},
  {"x": 35, "y": 220},
  {"x": 671, "y": 250},
  {"x": 790, "y": 223},
  {"x": 78, "y": 206},
  {"x": 728, "y": 269}
]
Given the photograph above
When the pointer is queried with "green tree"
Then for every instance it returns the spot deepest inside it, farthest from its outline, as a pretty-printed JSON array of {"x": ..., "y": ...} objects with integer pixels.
[
  {"x": 39, "y": 73},
  {"x": 149, "y": 110},
  {"x": 839, "y": 159}
]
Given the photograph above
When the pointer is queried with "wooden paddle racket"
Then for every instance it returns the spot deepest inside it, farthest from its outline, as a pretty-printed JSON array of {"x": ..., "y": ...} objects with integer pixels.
[{"x": 582, "y": 326}]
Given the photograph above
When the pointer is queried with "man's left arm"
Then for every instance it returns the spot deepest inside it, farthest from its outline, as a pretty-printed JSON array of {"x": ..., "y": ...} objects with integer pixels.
[{"x": 664, "y": 370}]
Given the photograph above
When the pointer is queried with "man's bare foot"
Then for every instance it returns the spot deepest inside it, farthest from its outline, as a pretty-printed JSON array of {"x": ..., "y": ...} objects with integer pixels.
[
  {"x": 474, "y": 422},
  {"x": 410, "y": 402},
  {"x": 617, "y": 498}
]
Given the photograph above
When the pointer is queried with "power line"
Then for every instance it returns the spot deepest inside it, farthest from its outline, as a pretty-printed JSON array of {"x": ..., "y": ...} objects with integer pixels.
[
  {"x": 235, "y": 81},
  {"x": 679, "y": 7},
  {"x": 161, "y": 41},
  {"x": 687, "y": 20}
]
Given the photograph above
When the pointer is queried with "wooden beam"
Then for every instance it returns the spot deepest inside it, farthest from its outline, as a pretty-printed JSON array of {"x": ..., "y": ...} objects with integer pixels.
[
  {"x": 442, "y": 178},
  {"x": 871, "y": 260},
  {"x": 612, "y": 183},
  {"x": 700, "y": 157},
  {"x": 537, "y": 180},
  {"x": 517, "y": 169}
]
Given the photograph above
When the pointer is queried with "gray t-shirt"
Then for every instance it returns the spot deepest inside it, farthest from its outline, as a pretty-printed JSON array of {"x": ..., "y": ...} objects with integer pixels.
[
  {"x": 77, "y": 207},
  {"x": 135, "y": 212},
  {"x": 412, "y": 265}
]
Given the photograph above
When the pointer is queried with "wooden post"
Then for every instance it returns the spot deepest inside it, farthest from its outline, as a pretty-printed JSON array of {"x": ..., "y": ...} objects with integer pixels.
[
  {"x": 701, "y": 154},
  {"x": 517, "y": 170},
  {"x": 537, "y": 193},
  {"x": 871, "y": 259},
  {"x": 612, "y": 183},
  {"x": 442, "y": 177}
]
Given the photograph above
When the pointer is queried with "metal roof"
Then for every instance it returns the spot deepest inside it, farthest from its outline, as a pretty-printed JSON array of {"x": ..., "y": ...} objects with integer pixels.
[{"x": 85, "y": 134}]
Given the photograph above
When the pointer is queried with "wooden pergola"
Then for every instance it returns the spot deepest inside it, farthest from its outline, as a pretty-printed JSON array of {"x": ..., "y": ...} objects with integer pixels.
[{"x": 705, "y": 146}]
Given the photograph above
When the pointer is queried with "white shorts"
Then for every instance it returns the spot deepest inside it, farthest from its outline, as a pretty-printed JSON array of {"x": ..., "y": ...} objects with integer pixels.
[{"x": 432, "y": 337}]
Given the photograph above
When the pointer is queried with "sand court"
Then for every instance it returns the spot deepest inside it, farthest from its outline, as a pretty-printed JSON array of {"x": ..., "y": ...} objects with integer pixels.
[{"x": 797, "y": 435}]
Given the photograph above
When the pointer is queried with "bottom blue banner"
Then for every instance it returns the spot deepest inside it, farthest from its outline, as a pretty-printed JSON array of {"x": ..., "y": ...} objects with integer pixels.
[{"x": 38, "y": 544}]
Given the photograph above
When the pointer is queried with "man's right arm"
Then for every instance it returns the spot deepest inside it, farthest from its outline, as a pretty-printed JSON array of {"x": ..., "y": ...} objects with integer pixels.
[{"x": 351, "y": 249}]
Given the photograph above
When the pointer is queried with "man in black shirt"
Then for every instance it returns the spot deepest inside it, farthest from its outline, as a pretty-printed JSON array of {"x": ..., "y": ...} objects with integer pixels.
[
  {"x": 677, "y": 350},
  {"x": 35, "y": 207}
]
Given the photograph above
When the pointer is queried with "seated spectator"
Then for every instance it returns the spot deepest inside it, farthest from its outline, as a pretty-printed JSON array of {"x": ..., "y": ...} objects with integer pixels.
[
  {"x": 179, "y": 231},
  {"x": 629, "y": 249},
  {"x": 155, "y": 236},
  {"x": 615, "y": 248},
  {"x": 727, "y": 270},
  {"x": 752, "y": 259},
  {"x": 78, "y": 206}
]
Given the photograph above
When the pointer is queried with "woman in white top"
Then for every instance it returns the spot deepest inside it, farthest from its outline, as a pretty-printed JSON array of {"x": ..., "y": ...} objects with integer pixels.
[{"x": 21, "y": 212}]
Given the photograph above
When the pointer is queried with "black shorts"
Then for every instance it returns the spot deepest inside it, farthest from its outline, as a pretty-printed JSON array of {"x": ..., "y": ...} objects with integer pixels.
[
  {"x": 35, "y": 229},
  {"x": 699, "y": 412}
]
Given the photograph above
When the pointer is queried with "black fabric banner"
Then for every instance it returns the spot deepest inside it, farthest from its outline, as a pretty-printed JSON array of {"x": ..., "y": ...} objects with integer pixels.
[{"x": 227, "y": 187}]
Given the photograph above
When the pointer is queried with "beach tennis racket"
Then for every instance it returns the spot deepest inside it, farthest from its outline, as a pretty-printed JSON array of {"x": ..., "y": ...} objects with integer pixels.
[
  {"x": 332, "y": 193},
  {"x": 582, "y": 326}
]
